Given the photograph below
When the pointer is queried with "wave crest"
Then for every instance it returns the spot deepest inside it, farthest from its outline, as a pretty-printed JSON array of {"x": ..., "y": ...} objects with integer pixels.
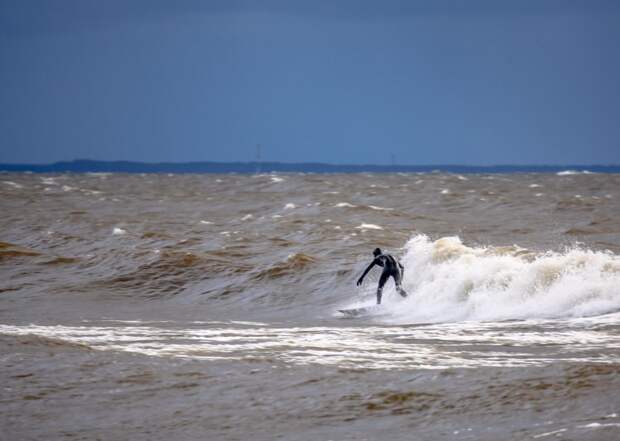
[{"x": 450, "y": 281}]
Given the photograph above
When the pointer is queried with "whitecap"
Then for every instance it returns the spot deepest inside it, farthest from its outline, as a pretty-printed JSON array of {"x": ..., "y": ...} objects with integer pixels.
[
  {"x": 344, "y": 204},
  {"x": 573, "y": 172},
  {"x": 597, "y": 425},
  {"x": 534, "y": 185},
  {"x": 276, "y": 179},
  {"x": 553, "y": 432},
  {"x": 445, "y": 191},
  {"x": 13, "y": 184},
  {"x": 118, "y": 231},
  {"x": 369, "y": 227},
  {"x": 49, "y": 181},
  {"x": 374, "y": 207},
  {"x": 204, "y": 222},
  {"x": 289, "y": 206},
  {"x": 247, "y": 217}
]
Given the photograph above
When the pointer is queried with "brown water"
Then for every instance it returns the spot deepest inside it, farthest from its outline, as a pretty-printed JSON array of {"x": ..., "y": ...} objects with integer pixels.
[{"x": 206, "y": 307}]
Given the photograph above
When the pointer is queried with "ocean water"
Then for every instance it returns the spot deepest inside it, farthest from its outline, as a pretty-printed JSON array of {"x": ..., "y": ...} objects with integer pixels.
[{"x": 162, "y": 306}]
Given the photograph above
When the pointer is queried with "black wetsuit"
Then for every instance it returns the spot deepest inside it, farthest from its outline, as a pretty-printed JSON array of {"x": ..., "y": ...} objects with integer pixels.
[{"x": 391, "y": 268}]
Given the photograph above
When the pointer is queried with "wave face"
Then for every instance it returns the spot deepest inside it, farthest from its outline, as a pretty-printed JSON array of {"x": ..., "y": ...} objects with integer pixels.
[{"x": 449, "y": 281}]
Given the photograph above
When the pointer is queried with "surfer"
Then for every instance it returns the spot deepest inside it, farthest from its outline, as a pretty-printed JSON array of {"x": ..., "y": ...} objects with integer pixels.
[{"x": 391, "y": 268}]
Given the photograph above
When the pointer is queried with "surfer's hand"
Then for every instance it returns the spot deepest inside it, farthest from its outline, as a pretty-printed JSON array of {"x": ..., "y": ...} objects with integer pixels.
[{"x": 359, "y": 281}]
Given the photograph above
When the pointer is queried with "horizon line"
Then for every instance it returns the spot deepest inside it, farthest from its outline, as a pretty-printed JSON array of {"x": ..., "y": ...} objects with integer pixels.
[{"x": 295, "y": 163}]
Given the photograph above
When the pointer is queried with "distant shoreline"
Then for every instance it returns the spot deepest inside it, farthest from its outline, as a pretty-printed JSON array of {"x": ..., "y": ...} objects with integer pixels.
[{"x": 91, "y": 166}]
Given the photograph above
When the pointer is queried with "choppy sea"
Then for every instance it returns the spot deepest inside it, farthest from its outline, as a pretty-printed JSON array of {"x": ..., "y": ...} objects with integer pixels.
[{"x": 160, "y": 306}]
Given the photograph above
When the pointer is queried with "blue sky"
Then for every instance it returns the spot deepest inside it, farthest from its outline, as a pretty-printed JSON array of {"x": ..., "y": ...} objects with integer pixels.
[{"x": 430, "y": 82}]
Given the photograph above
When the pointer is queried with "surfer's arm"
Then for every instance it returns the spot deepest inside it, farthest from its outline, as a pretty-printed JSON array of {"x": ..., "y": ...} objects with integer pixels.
[{"x": 359, "y": 281}]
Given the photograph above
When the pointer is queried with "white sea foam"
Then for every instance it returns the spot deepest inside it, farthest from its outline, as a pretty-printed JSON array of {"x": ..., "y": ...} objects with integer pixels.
[
  {"x": 449, "y": 281},
  {"x": 598, "y": 425},
  {"x": 91, "y": 192},
  {"x": 369, "y": 346},
  {"x": 374, "y": 207},
  {"x": 49, "y": 181},
  {"x": 276, "y": 179},
  {"x": 289, "y": 206},
  {"x": 247, "y": 217},
  {"x": 204, "y": 222},
  {"x": 12, "y": 184},
  {"x": 344, "y": 204},
  {"x": 554, "y": 432},
  {"x": 369, "y": 227},
  {"x": 118, "y": 231},
  {"x": 573, "y": 172}
]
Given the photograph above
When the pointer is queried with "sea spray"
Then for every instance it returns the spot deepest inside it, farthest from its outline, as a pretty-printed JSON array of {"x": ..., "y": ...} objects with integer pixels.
[{"x": 450, "y": 281}]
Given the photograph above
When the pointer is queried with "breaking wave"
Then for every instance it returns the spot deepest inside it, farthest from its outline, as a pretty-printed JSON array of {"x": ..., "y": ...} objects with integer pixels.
[{"x": 449, "y": 281}]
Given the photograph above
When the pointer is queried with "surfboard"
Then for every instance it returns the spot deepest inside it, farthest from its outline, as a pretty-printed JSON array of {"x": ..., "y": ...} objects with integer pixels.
[{"x": 357, "y": 312}]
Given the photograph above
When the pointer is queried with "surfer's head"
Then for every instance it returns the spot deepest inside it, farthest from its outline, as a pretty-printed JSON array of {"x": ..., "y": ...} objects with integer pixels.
[{"x": 376, "y": 252}]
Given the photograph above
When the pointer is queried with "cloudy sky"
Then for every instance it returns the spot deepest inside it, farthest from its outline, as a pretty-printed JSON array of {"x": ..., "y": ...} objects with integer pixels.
[{"x": 341, "y": 81}]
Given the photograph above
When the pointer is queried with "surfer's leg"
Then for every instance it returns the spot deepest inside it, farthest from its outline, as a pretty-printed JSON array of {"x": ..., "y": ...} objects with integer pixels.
[
  {"x": 398, "y": 281},
  {"x": 382, "y": 280}
]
